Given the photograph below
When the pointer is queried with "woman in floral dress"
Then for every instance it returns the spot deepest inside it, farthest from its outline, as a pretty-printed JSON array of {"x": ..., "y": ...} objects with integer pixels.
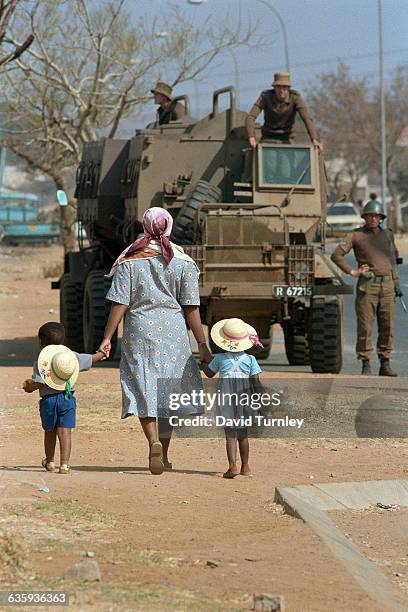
[{"x": 155, "y": 287}]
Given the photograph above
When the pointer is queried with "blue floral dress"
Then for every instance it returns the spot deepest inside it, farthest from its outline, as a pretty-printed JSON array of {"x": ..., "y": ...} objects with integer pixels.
[
  {"x": 156, "y": 355},
  {"x": 234, "y": 370}
]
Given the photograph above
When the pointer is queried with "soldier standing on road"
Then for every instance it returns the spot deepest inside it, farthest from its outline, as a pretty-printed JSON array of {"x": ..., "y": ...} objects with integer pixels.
[
  {"x": 378, "y": 284},
  {"x": 168, "y": 109},
  {"x": 280, "y": 106}
]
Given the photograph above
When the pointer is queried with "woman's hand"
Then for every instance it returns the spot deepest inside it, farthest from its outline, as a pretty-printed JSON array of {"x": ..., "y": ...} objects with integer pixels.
[
  {"x": 105, "y": 347},
  {"x": 205, "y": 355}
]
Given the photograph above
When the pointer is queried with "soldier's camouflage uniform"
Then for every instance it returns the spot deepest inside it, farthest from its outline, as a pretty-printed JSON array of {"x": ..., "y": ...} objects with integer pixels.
[{"x": 375, "y": 297}]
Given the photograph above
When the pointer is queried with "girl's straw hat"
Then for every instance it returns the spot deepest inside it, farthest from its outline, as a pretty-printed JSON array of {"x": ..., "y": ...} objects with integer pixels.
[
  {"x": 58, "y": 367},
  {"x": 234, "y": 335}
]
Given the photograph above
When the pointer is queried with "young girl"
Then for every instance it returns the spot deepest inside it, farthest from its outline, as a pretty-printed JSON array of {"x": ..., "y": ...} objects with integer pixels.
[{"x": 238, "y": 372}]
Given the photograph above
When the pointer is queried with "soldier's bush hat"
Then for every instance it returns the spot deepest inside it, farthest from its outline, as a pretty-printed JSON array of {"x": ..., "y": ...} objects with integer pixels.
[
  {"x": 162, "y": 88},
  {"x": 374, "y": 207},
  {"x": 281, "y": 78}
]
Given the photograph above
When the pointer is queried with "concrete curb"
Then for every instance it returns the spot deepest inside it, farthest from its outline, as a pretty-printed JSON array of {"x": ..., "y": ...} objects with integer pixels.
[{"x": 311, "y": 503}]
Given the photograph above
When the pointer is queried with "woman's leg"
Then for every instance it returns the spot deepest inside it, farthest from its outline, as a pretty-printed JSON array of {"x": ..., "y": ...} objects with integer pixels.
[
  {"x": 231, "y": 446},
  {"x": 149, "y": 427},
  {"x": 165, "y": 432}
]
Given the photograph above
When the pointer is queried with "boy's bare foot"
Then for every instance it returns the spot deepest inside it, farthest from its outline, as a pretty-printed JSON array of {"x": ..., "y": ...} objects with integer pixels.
[
  {"x": 64, "y": 468},
  {"x": 231, "y": 473},
  {"x": 156, "y": 465},
  {"x": 245, "y": 470}
]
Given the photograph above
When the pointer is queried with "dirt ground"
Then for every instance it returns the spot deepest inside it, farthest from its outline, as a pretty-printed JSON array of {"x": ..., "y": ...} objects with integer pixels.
[
  {"x": 152, "y": 536},
  {"x": 382, "y": 536}
]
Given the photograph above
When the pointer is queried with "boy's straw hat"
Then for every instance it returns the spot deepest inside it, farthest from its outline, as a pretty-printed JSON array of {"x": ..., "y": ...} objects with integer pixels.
[
  {"x": 234, "y": 335},
  {"x": 58, "y": 366}
]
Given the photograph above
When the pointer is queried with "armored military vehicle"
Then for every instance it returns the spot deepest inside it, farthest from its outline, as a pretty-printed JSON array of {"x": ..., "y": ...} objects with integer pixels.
[{"x": 250, "y": 219}]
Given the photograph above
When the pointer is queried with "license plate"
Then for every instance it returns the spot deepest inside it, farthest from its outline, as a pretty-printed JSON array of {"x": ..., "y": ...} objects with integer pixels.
[{"x": 291, "y": 291}]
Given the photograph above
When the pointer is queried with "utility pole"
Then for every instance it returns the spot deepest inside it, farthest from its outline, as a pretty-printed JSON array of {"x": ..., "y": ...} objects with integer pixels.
[{"x": 382, "y": 114}]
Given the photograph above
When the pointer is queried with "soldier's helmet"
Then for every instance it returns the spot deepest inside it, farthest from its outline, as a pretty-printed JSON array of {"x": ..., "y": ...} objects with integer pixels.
[{"x": 375, "y": 207}]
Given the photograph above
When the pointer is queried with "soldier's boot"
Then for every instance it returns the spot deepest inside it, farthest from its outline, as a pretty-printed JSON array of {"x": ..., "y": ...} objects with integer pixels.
[
  {"x": 385, "y": 369},
  {"x": 366, "y": 368}
]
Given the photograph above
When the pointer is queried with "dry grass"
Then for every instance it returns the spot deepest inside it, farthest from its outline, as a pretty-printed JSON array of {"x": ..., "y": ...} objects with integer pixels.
[
  {"x": 65, "y": 526},
  {"x": 55, "y": 523},
  {"x": 12, "y": 557}
]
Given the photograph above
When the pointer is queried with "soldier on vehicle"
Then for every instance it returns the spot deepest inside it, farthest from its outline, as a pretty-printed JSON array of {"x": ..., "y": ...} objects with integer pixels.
[
  {"x": 378, "y": 284},
  {"x": 168, "y": 109},
  {"x": 280, "y": 106}
]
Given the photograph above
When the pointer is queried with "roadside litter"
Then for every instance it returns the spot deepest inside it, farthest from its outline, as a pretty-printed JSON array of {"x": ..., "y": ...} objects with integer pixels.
[{"x": 389, "y": 507}]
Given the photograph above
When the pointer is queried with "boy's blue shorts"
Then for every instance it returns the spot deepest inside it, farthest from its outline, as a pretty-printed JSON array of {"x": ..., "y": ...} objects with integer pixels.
[{"x": 56, "y": 411}]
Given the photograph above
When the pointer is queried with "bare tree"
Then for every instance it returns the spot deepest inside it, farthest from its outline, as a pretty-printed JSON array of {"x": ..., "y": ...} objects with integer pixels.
[
  {"x": 89, "y": 68},
  {"x": 347, "y": 113},
  {"x": 7, "y": 11}
]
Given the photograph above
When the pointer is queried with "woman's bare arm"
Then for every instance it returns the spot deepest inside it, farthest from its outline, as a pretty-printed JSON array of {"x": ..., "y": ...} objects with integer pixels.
[
  {"x": 117, "y": 312},
  {"x": 192, "y": 315}
]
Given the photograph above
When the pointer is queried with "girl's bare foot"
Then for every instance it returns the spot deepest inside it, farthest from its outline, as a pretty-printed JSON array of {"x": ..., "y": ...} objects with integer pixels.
[
  {"x": 245, "y": 470},
  {"x": 231, "y": 472}
]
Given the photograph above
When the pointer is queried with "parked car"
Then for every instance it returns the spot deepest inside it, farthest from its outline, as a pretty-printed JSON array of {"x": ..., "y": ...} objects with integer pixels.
[{"x": 342, "y": 217}]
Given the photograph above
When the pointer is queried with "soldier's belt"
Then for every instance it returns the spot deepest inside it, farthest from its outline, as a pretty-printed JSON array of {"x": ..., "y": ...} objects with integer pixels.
[{"x": 380, "y": 279}]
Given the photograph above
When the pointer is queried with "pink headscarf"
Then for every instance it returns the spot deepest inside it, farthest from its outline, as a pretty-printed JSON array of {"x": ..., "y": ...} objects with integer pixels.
[{"x": 157, "y": 225}]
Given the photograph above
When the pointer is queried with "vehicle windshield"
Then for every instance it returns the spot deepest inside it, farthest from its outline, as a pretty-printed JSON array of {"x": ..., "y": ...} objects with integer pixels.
[
  {"x": 285, "y": 166},
  {"x": 342, "y": 209}
]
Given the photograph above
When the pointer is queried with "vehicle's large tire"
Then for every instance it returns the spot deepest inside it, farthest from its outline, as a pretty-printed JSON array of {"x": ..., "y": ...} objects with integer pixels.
[
  {"x": 96, "y": 311},
  {"x": 326, "y": 335},
  {"x": 71, "y": 300},
  {"x": 296, "y": 346},
  {"x": 183, "y": 226}
]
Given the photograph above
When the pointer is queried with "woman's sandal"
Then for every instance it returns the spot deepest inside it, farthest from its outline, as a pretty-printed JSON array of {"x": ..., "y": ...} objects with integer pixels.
[{"x": 156, "y": 465}]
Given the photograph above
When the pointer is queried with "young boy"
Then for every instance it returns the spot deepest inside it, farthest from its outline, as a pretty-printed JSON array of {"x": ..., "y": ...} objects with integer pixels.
[{"x": 54, "y": 376}]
